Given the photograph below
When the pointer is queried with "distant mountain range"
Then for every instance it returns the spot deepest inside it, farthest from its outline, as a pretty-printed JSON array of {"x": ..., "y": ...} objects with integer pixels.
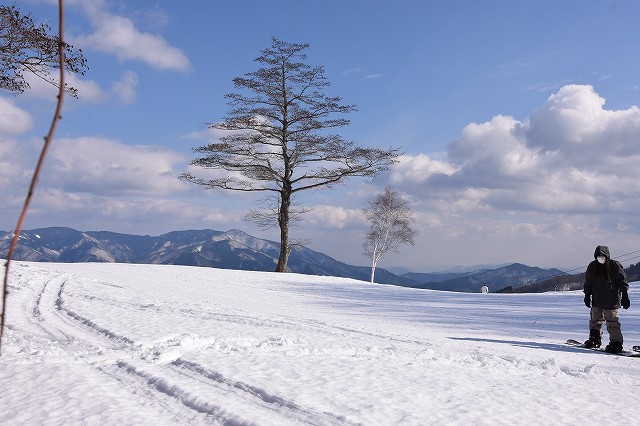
[
  {"x": 514, "y": 275},
  {"x": 228, "y": 250},
  {"x": 237, "y": 250}
]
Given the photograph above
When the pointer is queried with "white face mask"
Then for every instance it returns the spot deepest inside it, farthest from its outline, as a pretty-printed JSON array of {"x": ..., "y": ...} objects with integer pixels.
[{"x": 601, "y": 259}]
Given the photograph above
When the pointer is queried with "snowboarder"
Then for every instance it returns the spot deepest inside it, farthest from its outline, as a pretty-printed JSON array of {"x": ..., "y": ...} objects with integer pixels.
[
  {"x": 605, "y": 290},
  {"x": 485, "y": 288}
]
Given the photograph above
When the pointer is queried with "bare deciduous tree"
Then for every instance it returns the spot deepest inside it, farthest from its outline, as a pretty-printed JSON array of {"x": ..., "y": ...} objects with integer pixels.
[
  {"x": 275, "y": 142},
  {"x": 391, "y": 225},
  {"x": 28, "y": 47}
]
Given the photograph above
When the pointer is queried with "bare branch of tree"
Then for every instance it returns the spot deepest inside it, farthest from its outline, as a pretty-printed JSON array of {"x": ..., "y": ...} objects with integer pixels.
[
  {"x": 267, "y": 217},
  {"x": 47, "y": 142},
  {"x": 28, "y": 47}
]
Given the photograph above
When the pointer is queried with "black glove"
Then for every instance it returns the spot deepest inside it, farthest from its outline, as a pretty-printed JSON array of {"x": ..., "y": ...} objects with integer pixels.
[
  {"x": 587, "y": 300},
  {"x": 625, "y": 300}
]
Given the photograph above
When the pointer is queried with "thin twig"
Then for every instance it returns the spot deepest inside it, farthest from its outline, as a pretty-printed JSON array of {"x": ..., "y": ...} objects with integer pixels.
[{"x": 36, "y": 174}]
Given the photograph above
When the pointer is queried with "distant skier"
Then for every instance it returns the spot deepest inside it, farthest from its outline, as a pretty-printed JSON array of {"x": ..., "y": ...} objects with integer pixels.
[
  {"x": 605, "y": 290},
  {"x": 485, "y": 288}
]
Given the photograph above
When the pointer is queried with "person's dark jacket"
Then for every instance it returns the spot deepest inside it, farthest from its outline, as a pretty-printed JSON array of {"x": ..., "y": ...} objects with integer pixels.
[{"x": 605, "y": 283}]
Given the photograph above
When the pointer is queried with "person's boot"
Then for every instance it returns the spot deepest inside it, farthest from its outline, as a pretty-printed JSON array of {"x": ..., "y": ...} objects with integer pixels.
[
  {"x": 594, "y": 341},
  {"x": 614, "y": 347}
]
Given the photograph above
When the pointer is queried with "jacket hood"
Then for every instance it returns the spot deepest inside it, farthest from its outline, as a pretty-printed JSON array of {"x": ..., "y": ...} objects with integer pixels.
[{"x": 602, "y": 251}]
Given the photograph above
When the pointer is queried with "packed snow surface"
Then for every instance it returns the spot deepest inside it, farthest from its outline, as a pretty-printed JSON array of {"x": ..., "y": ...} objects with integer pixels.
[{"x": 121, "y": 344}]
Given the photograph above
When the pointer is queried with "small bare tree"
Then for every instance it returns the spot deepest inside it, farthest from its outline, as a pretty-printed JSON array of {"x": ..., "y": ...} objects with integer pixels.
[
  {"x": 391, "y": 225},
  {"x": 275, "y": 143},
  {"x": 28, "y": 47}
]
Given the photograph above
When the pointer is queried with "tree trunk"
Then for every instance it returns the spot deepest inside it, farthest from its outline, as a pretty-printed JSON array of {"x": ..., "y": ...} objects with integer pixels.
[
  {"x": 374, "y": 263},
  {"x": 283, "y": 221}
]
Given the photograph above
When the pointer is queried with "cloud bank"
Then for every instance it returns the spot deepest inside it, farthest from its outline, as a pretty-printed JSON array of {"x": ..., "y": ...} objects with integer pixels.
[
  {"x": 102, "y": 166},
  {"x": 571, "y": 156}
]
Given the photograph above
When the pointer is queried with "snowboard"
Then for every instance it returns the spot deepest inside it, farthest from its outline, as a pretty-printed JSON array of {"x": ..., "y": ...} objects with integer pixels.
[{"x": 635, "y": 352}]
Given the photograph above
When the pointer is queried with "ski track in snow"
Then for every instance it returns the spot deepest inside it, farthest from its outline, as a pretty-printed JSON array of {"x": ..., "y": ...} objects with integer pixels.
[
  {"x": 162, "y": 383},
  {"x": 174, "y": 345}
]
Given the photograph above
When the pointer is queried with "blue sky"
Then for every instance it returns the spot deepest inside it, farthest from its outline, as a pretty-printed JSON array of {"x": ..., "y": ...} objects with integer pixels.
[{"x": 518, "y": 120}]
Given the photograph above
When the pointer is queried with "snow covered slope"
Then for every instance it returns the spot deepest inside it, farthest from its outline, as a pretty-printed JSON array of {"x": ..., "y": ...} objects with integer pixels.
[{"x": 154, "y": 344}]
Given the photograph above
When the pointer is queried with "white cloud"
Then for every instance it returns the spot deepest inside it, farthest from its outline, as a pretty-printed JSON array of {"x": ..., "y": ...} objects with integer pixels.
[
  {"x": 94, "y": 183},
  {"x": 135, "y": 215},
  {"x": 13, "y": 120},
  {"x": 418, "y": 168},
  {"x": 88, "y": 91},
  {"x": 334, "y": 217},
  {"x": 117, "y": 35},
  {"x": 572, "y": 116},
  {"x": 12, "y": 171},
  {"x": 571, "y": 156},
  {"x": 106, "y": 167}
]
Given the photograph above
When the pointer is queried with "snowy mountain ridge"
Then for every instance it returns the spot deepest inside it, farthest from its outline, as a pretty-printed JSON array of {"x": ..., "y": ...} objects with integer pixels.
[
  {"x": 231, "y": 249},
  {"x": 235, "y": 249}
]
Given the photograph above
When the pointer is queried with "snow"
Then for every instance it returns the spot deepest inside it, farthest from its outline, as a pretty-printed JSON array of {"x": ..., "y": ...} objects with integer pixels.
[{"x": 115, "y": 344}]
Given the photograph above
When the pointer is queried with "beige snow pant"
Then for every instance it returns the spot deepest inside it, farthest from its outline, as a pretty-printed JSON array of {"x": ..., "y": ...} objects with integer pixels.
[{"x": 599, "y": 316}]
